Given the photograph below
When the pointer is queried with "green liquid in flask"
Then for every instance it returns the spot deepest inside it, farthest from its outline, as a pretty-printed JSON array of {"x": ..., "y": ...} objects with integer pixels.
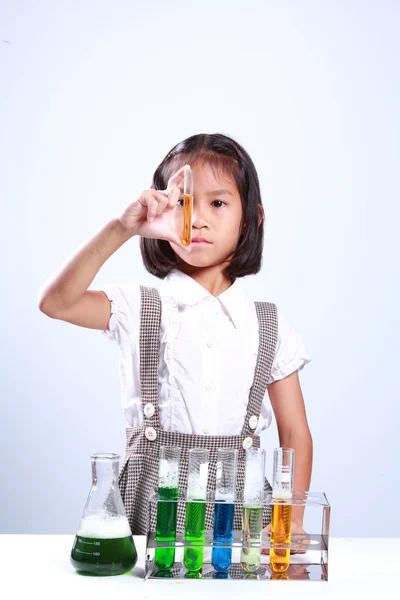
[
  {"x": 103, "y": 552},
  {"x": 166, "y": 526},
  {"x": 194, "y": 532}
]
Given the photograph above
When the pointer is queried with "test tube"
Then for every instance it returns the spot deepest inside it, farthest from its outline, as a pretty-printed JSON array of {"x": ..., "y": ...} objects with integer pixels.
[
  {"x": 188, "y": 185},
  {"x": 167, "y": 505},
  {"x": 282, "y": 492},
  {"x": 224, "y": 508},
  {"x": 253, "y": 508},
  {"x": 196, "y": 508}
]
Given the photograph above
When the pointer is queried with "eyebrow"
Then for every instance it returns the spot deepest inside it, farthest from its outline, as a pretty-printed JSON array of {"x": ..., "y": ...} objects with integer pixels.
[{"x": 219, "y": 193}]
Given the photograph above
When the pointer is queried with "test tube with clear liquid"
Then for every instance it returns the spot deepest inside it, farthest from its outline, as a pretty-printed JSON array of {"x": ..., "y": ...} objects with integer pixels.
[
  {"x": 103, "y": 544},
  {"x": 188, "y": 190},
  {"x": 167, "y": 505},
  {"x": 282, "y": 494},
  {"x": 253, "y": 509},
  {"x": 196, "y": 508},
  {"x": 221, "y": 557}
]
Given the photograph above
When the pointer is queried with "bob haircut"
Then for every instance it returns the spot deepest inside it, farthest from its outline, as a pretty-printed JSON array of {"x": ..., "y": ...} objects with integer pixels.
[{"x": 226, "y": 157}]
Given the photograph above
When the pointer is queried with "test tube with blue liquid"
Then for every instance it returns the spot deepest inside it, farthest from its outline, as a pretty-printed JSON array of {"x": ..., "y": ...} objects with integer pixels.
[{"x": 221, "y": 557}]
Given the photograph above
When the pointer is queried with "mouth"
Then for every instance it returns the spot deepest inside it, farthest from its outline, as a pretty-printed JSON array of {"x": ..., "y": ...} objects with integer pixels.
[{"x": 200, "y": 242}]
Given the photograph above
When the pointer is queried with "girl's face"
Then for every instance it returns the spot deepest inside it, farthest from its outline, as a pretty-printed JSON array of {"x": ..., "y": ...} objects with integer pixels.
[{"x": 217, "y": 218}]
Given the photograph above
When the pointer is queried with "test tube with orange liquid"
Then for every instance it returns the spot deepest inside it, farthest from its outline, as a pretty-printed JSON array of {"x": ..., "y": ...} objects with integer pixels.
[
  {"x": 282, "y": 494},
  {"x": 188, "y": 187}
]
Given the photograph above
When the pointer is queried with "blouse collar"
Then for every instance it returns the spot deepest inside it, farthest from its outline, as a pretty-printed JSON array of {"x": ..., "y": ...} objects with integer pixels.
[{"x": 185, "y": 290}]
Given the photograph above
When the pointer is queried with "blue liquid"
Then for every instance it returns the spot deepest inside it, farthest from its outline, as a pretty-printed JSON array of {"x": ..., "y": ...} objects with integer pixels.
[
  {"x": 221, "y": 576},
  {"x": 223, "y": 532}
]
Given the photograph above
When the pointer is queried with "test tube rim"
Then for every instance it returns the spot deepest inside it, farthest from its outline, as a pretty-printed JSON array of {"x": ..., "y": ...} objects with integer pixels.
[{"x": 105, "y": 456}]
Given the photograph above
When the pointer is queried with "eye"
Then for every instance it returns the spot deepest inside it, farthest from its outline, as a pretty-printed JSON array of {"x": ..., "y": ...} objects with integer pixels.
[
  {"x": 219, "y": 203},
  {"x": 180, "y": 202}
]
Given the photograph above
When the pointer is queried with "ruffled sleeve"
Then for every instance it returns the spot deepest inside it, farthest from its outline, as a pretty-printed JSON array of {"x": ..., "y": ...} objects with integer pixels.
[
  {"x": 290, "y": 354},
  {"x": 125, "y": 311}
]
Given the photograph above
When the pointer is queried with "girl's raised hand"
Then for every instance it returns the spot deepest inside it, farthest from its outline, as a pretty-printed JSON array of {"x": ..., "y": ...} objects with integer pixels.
[{"x": 150, "y": 215}]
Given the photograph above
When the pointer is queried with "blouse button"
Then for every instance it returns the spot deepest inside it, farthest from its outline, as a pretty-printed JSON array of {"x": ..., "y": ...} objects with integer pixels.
[
  {"x": 150, "y": 433},
  {"x": 253, "y": 422},
  {"x": 247, "y": 443},
  {"x": 149, "y": 409}
]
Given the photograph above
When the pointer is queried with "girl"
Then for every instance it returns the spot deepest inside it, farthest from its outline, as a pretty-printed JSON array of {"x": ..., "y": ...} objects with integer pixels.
[{"x": 201, "y": 364}]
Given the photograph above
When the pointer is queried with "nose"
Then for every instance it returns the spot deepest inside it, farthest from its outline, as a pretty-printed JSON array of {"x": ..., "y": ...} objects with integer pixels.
[{"x": 199, "y": 219}]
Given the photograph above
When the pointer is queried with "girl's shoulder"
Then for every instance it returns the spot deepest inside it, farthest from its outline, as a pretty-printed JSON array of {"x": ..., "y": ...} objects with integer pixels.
[
  {"x": 290, "y": 354},
  {"x": 290, "y": 351},
  {"x": 125, "y": 309}
]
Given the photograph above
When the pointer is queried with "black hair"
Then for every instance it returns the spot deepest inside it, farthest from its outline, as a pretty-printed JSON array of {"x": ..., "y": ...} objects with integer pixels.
[{"x": 225, "y": 155}]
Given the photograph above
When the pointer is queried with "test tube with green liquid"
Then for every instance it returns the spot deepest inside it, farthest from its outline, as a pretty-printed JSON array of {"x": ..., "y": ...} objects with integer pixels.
[
  {"x": 167, "y": 505},
  {"x": 196, "y": 508},
  {"x": 253, "y": 509}
]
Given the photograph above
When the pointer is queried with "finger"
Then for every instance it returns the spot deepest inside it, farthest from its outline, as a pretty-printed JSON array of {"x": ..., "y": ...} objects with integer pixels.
[
  {"x": 267, "y": 531},
  {"x": 152, "y": 209},
  {"x": 162, "y": 201},
  {"x": 178, "y": 177},
  {"x": 173, "y": 196},
  {"x": 175, "y": 239}
]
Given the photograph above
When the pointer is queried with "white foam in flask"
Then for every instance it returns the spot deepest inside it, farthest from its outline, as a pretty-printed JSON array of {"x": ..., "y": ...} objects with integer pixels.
[{"x": 97, "y": 527}]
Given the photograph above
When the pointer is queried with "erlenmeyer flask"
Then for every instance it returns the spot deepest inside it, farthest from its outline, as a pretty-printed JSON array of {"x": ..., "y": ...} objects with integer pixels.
[{"x": 103, "y": 544}]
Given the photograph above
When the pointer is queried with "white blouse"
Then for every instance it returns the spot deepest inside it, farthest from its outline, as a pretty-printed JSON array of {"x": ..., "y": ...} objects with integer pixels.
[{"x": 208, "y": 355}]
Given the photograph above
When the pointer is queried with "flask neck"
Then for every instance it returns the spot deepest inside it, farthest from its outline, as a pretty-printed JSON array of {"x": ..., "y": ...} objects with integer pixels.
[{"x": 105, "y": 469}]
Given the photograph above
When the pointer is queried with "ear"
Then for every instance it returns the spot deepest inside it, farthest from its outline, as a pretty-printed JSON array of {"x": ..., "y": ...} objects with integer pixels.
[
  {"x": 260, "y": 217},
  {"x": 260, "y": 214}
]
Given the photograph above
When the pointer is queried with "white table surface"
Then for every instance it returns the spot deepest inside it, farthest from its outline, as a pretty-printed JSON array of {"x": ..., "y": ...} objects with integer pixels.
[{"x": 37, "y": 566}]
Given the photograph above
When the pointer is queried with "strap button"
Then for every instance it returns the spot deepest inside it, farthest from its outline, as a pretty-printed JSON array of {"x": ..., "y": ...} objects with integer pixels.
[
  {"x": 149, "y": 409},
  {"x": 247, "y": 443},
  {"x": 253, "y": 421},
  {"x": 150, "y": 433}
]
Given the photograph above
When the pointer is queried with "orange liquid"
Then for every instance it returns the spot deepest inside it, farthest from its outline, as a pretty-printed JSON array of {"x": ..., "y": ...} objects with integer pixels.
[
  {"x": 187, "y": 219},
  {"x": 280, "y": 534}
]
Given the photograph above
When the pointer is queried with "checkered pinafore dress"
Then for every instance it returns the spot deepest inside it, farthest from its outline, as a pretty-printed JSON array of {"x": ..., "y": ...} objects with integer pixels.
[{"x": 139, "y": 472}]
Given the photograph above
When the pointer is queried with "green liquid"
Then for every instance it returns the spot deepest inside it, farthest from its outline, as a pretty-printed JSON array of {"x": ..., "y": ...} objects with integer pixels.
[
  {"x": 252, "y": 528},
  {"x": 166, "y": 527},
  {"x": 92, "y": 556},
  {"x": 194, "y": 532}
]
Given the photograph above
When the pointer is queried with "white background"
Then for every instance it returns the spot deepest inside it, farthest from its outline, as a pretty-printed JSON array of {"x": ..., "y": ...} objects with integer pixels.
[{"x": 92, "y": 96}]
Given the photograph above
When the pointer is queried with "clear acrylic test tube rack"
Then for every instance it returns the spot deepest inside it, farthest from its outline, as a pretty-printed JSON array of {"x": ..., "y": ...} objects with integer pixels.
[{"x": 310, "y": 565}]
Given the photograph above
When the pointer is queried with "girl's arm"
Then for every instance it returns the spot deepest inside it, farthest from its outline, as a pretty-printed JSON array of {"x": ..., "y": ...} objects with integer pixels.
[
  {"x": 66, "y": 296},
  {"x": 288, "y": 405}
]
